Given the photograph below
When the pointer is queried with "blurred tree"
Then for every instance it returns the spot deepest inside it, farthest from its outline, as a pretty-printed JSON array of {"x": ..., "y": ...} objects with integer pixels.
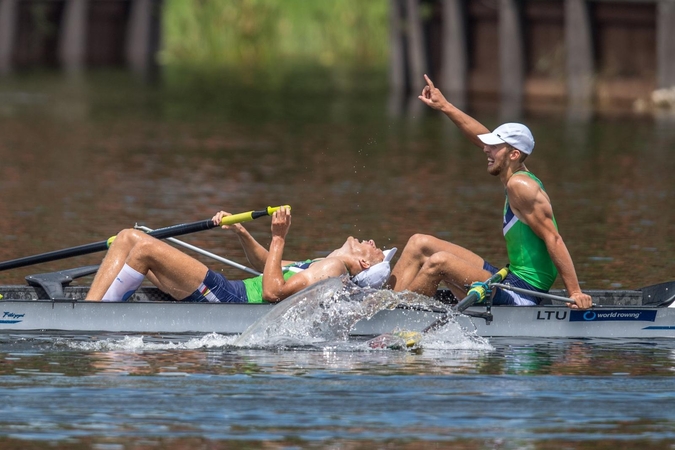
[{"x": 275, "y": 37}]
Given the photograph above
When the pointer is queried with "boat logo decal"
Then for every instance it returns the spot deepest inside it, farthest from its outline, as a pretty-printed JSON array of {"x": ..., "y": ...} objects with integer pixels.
[
  {"x": 613, "y": 315},
  {"x": 10, "y": 317},
  {"x": 558, "y": 314}
]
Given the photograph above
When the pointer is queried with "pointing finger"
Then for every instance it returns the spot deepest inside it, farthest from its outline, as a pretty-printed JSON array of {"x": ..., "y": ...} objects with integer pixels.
[{"x": 429, "y": 82}]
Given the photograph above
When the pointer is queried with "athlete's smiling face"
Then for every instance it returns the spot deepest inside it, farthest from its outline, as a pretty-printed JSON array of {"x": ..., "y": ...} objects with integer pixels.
[{"x": 498, "y": 157}]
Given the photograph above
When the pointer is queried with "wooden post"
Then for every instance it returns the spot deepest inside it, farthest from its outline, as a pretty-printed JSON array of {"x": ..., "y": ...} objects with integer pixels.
[
  {"x": 73, "y": 35},
  {"x": 511, "y": 57},
  {"x": 579, "y": 45},
  {"x": 142, "y": 36},
  {"x": 396, "y": 40},
  {"x": 417, "y": 57},
  {"x": 665, "y": 43},
  {"x": 8, "y": 21},
  {"x": 455, "y": 63}
]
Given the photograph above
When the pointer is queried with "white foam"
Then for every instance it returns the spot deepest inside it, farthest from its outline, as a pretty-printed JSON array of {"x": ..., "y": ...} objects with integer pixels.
[
  {"x": 139, "y": 343},
  {"x": 329, "y": 316}
]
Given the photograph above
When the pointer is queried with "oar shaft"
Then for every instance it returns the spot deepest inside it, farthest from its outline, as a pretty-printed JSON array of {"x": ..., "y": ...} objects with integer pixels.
[
  {"x": 160, "y": 233},
  {"x": 57, "y": 254},
  {"x": 203, "y": 252},
  {"x": 533, "y": 293}
]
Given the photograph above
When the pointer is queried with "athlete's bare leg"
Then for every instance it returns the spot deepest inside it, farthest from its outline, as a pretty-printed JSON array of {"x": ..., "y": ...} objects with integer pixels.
[
  {"x": 426, "y": 261},
  {"x": 166, "y": 267}
]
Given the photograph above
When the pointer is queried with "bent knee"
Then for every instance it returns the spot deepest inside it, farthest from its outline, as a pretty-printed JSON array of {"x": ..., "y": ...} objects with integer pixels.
[
  {"x": 438, "y": 260},
  {"x": 437, "y": 263},
  {"x": 128, "y": 237},
  {"x": 143, "y": 248},
  {"x": 420, "y": 241}
]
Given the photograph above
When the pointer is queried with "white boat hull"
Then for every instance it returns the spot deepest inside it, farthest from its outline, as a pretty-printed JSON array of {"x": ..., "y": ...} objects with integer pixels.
[
  {"x": 562, "y": 322},
  {"x": 170, "y": 317},
  {"x": 618, "y": 314}
]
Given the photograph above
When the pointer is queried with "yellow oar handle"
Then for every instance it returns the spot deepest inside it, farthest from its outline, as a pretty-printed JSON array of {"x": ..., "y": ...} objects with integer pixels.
[
  {"x": 503, "y": 272},
  {"x": 481, "y": 289},
  {"x": 206, "y": 224},
  {"x": 250, "y": 215}
]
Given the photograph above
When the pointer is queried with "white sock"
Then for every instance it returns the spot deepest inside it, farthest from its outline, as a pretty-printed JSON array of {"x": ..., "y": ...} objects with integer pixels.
[{"x": 124, "y": 285}]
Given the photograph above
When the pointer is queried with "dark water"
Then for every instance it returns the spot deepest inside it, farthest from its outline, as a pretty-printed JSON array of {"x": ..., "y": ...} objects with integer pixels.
[
  {"x": 82, "y": 160},
  {"x": 175, "y": 391}
]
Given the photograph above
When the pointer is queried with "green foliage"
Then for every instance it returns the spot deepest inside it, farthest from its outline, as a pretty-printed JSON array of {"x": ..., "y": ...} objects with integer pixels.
[{"x": 275, "y": 36}]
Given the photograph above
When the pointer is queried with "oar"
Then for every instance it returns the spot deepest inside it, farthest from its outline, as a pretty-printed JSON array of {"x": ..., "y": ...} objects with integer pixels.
[
  {"x": 160, "y": 233},
  {"x": 535, "y": 293},
  {"x": 402, "y": 339},
  {"x": 201, "y": 251},
  {"x": 475, "y": 294}
]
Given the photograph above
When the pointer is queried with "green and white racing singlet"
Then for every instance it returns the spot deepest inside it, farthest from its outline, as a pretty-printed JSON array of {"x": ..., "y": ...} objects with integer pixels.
[
  {"x": 254, "y": 287},
  {"x": 528, "y": 257}
]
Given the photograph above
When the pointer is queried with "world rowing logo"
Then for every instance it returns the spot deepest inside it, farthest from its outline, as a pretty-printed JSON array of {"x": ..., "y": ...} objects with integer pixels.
[
  {"x": 613, "y": 315},
  {"x": 590, "y": 315}
]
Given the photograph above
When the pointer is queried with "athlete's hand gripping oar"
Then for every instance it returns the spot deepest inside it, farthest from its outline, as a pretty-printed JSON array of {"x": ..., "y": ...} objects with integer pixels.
[
  {"x": 536, "y": 294},
  {"x": 160, "y": 233},
  {"x": 402, "y": 339},
  {"x": 476, "y": 294}
]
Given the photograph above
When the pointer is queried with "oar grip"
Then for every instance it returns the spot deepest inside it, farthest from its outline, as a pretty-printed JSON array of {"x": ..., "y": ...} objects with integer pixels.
[
  {"x": 272, "y": 209},
  {"x": 477, "y": 293},
  {"x": 250, "y": 215},
  {"x": 237, "y": 218}
]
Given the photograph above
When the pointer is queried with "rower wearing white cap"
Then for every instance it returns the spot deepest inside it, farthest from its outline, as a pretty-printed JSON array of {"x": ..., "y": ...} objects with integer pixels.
[{"x": 536, "y": 251}]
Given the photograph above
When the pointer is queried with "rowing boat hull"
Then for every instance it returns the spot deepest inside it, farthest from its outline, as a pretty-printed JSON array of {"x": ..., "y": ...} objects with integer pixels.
[
  {"x": 618, "y": 314},
  {"x": 563, "y": 322},
  {"x": 170, "y": 317}
]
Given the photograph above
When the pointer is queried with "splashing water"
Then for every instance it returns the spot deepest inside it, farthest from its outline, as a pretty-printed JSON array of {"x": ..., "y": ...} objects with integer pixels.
[
  {"x": 328, "y": 311},
  {"x": 138, "y": 343}
]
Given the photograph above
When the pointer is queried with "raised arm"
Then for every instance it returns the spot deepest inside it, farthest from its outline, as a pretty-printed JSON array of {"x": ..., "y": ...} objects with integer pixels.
[
  {"x": 534, "y": 208},
  {"x": 469, "y": 126},
  {"x": 275, "y": 287}
]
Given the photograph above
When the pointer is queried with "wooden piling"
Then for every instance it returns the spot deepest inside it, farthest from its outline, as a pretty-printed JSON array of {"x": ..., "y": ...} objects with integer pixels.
[
  {"x": 579, "y": 46},
  {"x": 8, "y": 23},
  {"x": 417, "y": 48},
  {"x": 511, "y": 56},
  {"x": 73, "y": 34},
  {"x": 665, "y": 43},
  {"x": 138, "y": 45},
  {"x": 397, "y": 81},
  {"x": 455, "y": 62}
]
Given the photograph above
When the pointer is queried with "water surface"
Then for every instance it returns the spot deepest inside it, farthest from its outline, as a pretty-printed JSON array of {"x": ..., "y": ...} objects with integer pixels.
[{"x": 80, "y": 161}]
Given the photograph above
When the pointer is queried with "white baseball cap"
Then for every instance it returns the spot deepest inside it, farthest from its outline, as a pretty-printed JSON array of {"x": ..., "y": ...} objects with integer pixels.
[
  {"x": 375, "y": 276},
  {"x": 516, "y": 135}
]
